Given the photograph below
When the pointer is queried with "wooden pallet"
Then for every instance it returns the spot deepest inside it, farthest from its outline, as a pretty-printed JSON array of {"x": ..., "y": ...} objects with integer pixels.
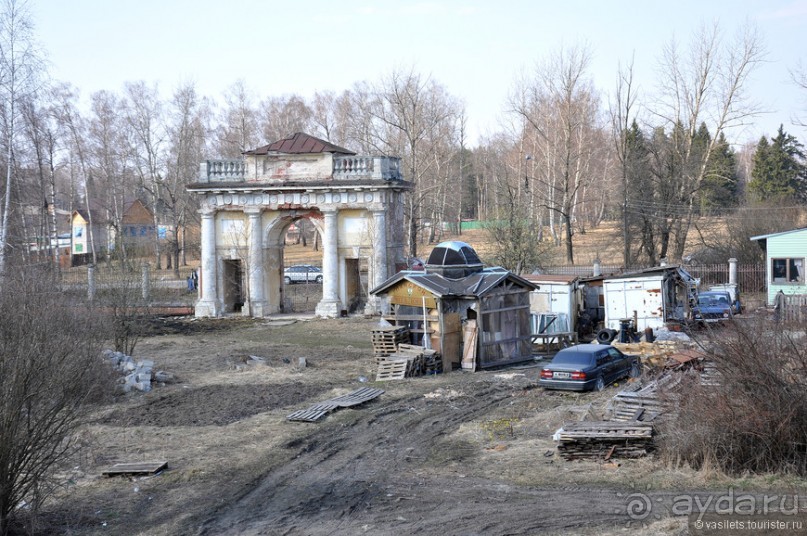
[
  {"x": 392, "y": 370},
  {"x": 317, "y": 411},
  {"x": 386, "y": 339},
  {"x": 135, "y": 469},
  {"x": 604, "y": 439}
]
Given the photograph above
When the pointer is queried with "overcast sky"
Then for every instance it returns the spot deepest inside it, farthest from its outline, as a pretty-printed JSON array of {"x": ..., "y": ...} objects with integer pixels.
[{"x": 474, "y": 48}]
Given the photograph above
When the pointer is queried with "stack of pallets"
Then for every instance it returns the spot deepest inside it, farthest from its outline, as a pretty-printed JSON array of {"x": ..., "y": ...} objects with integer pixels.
[
  {"x": 386, "y": 339},
  {"x": 640, "y": 403},
  {"x": 604, "y": 439},
  {"x": 408, "y": 361}
]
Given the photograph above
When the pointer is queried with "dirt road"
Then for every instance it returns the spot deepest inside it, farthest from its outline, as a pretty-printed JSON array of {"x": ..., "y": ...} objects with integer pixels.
[
  {"x": 458, "y": 453},
  {"x": 392, "y": 470}
]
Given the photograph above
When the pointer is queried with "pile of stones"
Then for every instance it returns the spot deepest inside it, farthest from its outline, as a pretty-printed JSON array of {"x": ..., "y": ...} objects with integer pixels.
[{"x": 138, "y": 375}]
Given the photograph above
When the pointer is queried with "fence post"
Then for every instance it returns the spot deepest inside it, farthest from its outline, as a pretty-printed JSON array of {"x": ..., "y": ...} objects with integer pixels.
[
  {"x": 144, "y": 280},
  {"x": 732, "y": 271},
  {"x": 91, "y": 282}
]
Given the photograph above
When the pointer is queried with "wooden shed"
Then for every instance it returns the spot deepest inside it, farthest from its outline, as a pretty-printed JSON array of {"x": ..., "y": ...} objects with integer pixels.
[{"x": 461, "y": 309}]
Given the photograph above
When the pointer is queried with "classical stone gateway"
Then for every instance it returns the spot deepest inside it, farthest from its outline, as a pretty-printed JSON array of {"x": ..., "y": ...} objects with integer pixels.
[{"x": 355, "y": 203}]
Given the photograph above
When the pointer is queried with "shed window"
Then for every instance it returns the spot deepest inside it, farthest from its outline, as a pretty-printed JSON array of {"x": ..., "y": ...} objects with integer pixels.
[{"x": 787, "y": 271}]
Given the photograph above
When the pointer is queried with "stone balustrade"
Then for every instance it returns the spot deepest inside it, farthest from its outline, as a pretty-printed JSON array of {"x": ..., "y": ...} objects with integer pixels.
[
  {"x": 222, "y": 171},
  {"x": 344, "y": 168},
  {"x": 372, "y": 167}
]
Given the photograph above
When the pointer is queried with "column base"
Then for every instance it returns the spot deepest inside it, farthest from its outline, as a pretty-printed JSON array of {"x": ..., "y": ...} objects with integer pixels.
[
  {"x": 257, "y": 309},
  {"x": 375, "y": 306},
  {"x": 205, "y": 309},
  {"x": 329, "y": 309}
]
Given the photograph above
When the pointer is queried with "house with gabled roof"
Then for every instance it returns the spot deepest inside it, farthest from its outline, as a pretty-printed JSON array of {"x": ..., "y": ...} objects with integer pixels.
[
  {"x": 460, "y": 308},
  {"x": 88, "y": 230}
]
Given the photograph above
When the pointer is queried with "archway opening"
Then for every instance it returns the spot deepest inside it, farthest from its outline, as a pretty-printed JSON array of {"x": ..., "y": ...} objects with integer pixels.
[{"x": 302, "y": 275}]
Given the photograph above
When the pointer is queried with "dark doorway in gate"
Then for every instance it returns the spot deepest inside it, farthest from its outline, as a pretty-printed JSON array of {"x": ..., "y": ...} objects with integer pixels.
[{"x": 233, "y": 285}]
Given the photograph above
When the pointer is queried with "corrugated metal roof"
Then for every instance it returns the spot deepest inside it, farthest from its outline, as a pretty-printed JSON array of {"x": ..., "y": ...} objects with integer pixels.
[
  {"x": 550, "y": 278},
  {"x": 299, "y": 143},
  {"x": 474, "y": 285},
  {"x": 654, "y": 270}
]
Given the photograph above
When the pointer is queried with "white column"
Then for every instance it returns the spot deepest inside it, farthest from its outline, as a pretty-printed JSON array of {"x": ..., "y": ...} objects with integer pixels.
[
  {"x": 330, "y": 305},
  {"x": 732, "y": 271},
  {"x": 380, "y": 252},
  {"x": 257, "y": 302},
  {"x": 207, "y": 304},
  {"x": 380, "y": 266}
]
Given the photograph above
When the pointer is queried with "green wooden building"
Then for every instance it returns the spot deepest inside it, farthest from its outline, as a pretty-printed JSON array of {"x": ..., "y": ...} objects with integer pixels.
[{"x": 785, "y": 259}]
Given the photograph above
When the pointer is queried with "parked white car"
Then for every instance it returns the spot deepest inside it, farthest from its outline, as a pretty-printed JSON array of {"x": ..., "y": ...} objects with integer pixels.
[{"x": 302, "y": 273}]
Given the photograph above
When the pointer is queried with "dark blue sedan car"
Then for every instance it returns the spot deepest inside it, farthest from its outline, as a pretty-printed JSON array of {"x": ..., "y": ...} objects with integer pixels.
[{"x": 588, "y": 366}]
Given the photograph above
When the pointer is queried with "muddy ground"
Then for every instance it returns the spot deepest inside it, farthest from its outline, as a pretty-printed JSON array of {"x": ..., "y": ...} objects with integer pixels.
[{"x": 458, "y": 453}]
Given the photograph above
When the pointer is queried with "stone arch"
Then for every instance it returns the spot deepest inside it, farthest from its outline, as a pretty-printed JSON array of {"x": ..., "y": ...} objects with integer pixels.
[{"x": 302, "y": 177}]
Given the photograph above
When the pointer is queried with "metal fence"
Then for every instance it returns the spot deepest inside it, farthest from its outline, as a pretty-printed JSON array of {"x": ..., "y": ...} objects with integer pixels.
[
  {"x": 750, "y": 277},
  {"x": 141, "y": 283}
]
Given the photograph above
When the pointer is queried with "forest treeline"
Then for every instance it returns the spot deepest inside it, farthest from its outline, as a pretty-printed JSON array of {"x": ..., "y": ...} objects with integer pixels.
[{"x": 567, "y": 155}]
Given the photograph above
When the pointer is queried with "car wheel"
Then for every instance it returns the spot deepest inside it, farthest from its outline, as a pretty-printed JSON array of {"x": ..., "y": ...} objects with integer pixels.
[
  {"x": 287, "y": 280},
  {"x": 600, "y": 385},
  {"x": 635, "y": 371},
  {"x": 318, "y": 280}
]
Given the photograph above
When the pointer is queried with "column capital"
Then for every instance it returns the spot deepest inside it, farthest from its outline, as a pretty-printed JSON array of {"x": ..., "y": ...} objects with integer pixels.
[
  {"x": 207, "y": 211},
  {"x": 253, "y": 211}
]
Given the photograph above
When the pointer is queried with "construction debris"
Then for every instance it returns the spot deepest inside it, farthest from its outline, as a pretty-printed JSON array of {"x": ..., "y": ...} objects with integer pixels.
[
  {"x": 604, "y": 440},
  {"x": 138, "y": 374},
  {"x": 317, "y": 411},
  {"x": 660, "y": 354}
]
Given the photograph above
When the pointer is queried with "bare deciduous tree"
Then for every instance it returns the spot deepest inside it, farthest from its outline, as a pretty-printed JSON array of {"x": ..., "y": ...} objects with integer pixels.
[
  {"x": 238, "y": 126},
  {"x": 49, "y": 367},
  {"x": 20, "y": 66},
  {"x": 560, "y": 108},
  {"x": 703, "y": 86}
]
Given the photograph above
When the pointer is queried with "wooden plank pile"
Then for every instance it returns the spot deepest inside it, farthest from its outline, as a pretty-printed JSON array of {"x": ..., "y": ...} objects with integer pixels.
[
  {"x": 659, "y": 354},
  {"x": 408, "y": 361},
  {"x": 709, "y": 374},
  {"x": 640, "y": 402},
  {"x": 317, "y": 411},
  {"x": 604, "y": 439},
  {"x": 387, "y": 338}
]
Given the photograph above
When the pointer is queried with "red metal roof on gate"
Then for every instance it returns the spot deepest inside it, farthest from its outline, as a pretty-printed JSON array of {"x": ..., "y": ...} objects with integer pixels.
[{"x": 299, "y": 143}]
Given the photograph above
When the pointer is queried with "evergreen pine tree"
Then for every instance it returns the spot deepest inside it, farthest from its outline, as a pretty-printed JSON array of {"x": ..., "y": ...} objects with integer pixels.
[{"x": 779, "y": 169}]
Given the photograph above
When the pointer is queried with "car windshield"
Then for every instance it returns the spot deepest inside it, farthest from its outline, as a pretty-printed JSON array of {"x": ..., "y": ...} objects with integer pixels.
[
  {"x": 573, "y": 359},
  {"x": 710, "y": 300}
]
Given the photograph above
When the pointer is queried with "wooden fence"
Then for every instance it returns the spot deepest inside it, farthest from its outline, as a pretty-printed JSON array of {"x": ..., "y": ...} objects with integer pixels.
[{"x": 794, "y": 308}]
